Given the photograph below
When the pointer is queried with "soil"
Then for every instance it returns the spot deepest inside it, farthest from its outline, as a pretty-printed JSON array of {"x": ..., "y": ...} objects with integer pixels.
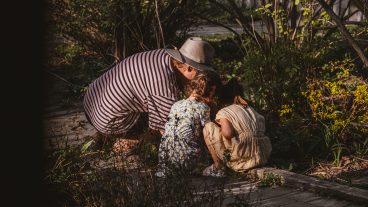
[{"x": 352, "y": 171}]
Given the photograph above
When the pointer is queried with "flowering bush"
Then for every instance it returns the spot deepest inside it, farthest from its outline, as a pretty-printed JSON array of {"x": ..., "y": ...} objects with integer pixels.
[{"x": 339, "y": 100}]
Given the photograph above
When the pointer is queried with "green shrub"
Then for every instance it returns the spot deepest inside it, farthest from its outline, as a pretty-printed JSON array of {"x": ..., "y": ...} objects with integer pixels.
[{"x": 270, "y": 179}]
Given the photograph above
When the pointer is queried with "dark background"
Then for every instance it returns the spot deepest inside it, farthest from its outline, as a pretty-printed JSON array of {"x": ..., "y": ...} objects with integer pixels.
[{"x": 22, "y": 97}]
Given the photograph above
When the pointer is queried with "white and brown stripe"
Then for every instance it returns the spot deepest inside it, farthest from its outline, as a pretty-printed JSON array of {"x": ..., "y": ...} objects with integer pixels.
[{"x": 143, "y": 82}]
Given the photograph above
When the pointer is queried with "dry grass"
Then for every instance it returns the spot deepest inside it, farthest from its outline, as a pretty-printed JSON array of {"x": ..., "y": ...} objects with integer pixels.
[
  {"x": 350, "y": 170},
  {"x": 104, "y": 178}
]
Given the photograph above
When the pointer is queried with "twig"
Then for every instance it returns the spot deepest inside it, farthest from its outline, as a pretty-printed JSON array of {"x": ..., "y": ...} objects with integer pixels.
[
  {"x": 360, "y": 159},
  {"x": 159, "y": 23},
  {"x": 255, "y": 36},
  {"x": 89, "y": 153},
  {"x": 61, "y": 78},
  {"x": 297, "y": 26},
  {"x": 275, "y": 20}
]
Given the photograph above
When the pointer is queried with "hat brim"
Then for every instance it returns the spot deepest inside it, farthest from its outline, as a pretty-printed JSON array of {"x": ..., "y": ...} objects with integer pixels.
[{"x": 181, "y": 58}]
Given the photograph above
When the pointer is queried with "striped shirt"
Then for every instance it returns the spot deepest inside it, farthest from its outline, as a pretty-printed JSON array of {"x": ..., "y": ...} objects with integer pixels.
[{"x": 143, "y": 82}]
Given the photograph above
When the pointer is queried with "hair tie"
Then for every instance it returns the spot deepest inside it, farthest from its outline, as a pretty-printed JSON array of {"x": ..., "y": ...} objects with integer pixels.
[{"x": 175, "y": 48}]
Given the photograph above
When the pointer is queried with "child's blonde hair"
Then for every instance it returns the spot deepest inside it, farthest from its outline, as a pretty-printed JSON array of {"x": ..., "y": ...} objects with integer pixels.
[{"x": 201, "y": 85}]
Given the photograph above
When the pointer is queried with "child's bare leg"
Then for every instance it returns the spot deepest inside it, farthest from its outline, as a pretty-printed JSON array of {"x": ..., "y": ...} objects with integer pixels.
[{"x": 216, "y": 160}]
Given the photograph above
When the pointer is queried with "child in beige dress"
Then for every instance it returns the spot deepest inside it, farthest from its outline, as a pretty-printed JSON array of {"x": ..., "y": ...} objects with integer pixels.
[{"x": 236, "y": 138}]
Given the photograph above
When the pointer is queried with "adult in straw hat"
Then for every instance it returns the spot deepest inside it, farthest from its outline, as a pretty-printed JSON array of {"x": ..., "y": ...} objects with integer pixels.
[{"x": 144, "y": 82}]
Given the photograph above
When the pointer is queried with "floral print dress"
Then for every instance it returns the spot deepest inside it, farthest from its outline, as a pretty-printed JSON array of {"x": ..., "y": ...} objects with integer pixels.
[{"x": 179, "y": 145}]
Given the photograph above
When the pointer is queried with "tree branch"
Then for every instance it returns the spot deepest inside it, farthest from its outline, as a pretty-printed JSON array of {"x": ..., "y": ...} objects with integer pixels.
[
  {"x": 344, "y": 32},
  {"x": 362, "y": 6}
]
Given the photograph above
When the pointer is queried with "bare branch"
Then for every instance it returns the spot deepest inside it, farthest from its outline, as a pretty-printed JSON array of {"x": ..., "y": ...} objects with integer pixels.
[
  {"x": 344, "y": 32},
  {"x": 159, "y": 23}
]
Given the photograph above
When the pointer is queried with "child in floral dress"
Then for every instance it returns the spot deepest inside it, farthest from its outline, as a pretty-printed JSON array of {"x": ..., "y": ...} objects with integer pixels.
[{"x": 180, "y": 145}]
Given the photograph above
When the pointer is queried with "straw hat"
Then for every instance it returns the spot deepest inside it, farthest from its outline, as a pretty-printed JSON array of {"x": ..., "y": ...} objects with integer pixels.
[{"x": 196, "y": 53}]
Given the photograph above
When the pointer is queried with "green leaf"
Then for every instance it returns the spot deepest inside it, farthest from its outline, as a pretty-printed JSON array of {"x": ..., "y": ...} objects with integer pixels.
[
  {"x": 297, "y": 2},
  {"x": 86, "y": 146},
  {"x": 268, "y": 6},
  {"x": 290, "y": 167}
]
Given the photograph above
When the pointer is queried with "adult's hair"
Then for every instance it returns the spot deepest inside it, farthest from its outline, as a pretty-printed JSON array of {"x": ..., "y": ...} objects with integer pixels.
[{"x": 232, "y": 93}]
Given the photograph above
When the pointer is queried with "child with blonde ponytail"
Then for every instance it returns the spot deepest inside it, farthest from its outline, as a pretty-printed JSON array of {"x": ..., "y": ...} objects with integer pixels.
[{"x": 180, "y": 145}]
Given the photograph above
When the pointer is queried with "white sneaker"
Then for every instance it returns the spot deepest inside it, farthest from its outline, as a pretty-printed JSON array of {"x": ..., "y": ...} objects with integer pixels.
[{"x": 213, "y": 172}]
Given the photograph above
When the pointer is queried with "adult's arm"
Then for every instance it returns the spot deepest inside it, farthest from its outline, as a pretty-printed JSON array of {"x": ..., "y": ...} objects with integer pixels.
[
  {"x": 158, "y": 111},
  {"x": 227, "y": 129}
]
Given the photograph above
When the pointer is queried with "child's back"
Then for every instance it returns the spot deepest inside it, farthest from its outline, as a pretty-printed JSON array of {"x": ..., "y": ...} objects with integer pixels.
[
  {"x": 180, "y": 145},
  {"x": 183, "y": 130}
]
